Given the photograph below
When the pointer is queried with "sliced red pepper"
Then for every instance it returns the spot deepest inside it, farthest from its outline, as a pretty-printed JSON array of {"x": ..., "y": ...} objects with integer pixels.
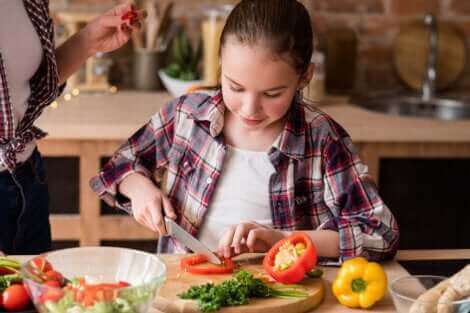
[
  {"x": 88, "y": 294},
  {"x": 302, "y": 265},
  {"x": 6, "y": 270},
  {"x": 51, "y": 294},
  {"x": 198, "y": 264},
  {"x": 52, "y": 283},
  {"x": 54, "y": 275},
  {"x": 41, "y": 264}
]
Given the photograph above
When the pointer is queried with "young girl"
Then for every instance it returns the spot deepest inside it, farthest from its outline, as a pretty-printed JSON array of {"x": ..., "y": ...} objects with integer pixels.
[{"x": 250, "y": 164}]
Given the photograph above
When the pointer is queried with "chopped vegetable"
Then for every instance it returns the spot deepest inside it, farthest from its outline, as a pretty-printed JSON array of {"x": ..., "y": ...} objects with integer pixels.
[
  {"x": 237, "y": 291},
  {"x": 8, "y": 280},
  {"x": 315, "y": 273},
  {"x": 291, "y": 258},
  {"x": 41, "y": 264},
  {"x": 198, "y": 264},
  {"x": 9, "y": 266},
  {"x": 360, "y": 283}
]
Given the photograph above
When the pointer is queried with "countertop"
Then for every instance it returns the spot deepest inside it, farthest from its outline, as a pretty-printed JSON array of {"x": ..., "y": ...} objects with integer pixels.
[
  {"x": 117, "y": 116},
  {"x": 330, "y": 304}
]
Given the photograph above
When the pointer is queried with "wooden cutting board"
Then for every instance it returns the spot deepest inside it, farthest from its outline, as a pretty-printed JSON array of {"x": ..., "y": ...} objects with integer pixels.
[
  {"x": 412, "y": 49},
  {"x": 177, "y": 282}
]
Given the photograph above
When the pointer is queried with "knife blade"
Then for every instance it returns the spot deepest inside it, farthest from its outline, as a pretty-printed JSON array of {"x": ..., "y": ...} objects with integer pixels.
[{"x": 189, "y": 241}]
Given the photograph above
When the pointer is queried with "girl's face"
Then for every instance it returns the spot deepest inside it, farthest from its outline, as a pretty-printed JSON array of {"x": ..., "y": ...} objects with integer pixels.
[{"x": 257, "y": 86}]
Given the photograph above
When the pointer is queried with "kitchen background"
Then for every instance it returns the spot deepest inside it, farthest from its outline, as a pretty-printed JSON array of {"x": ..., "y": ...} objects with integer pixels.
[
  {"x": 358, "y": 40},
  {"x": 374, "y": 23}
]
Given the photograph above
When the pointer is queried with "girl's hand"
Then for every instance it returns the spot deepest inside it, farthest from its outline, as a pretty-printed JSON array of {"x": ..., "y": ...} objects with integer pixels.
[
  {"x": 149, "y": 203},
  {"x": 248, "y": 237},
  {"x": 1, "y": 253},
  {"x": 112, "y": 29}
]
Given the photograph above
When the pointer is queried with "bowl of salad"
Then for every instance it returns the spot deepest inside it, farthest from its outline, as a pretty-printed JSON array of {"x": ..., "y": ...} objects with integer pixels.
[{"x": 94, "y": 280}]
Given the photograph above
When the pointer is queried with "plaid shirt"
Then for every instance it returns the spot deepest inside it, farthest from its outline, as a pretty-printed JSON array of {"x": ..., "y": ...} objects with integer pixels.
[
  {"x": 44, "y": 89},
  {"x": 319, "y": 181}
]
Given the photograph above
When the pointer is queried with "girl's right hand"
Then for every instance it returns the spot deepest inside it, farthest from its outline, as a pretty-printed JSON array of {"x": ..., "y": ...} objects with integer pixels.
[{"x": 149, "y": 203}]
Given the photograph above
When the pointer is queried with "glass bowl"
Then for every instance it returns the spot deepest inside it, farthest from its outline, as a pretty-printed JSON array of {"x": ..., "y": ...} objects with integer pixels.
[
  {"x": 405, "y": 291},
  {"x": 98, "y": 266}
]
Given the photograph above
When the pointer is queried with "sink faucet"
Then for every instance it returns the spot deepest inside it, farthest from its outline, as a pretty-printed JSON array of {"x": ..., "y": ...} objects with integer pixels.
[{"x": 429, "y": 83}]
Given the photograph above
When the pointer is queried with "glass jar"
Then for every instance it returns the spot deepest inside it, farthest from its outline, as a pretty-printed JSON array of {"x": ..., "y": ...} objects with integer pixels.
[{"x": 212, "y": 27}]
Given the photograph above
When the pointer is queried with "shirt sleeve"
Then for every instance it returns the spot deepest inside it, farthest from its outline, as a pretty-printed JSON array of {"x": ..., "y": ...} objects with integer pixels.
[
  {"x": 144, "y": 152},
  {"x": 365, "y": 224}
]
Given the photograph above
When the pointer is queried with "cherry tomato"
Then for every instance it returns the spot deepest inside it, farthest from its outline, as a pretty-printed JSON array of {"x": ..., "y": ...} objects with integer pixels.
[{"x": 15, "y": 298}]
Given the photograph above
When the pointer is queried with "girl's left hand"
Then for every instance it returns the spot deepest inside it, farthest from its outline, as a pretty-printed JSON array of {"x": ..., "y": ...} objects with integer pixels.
[
  {"x": 112, "y": 29},
  {"x": 248, "y": 237}
]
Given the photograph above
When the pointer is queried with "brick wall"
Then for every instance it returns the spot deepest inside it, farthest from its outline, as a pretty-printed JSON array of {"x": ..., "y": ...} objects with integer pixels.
[{"x": 375, "y": 23}]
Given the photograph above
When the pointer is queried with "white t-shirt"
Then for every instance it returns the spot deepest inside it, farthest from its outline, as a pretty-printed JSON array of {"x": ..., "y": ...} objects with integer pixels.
[
  {"x": 242, "y": 194},
  {"x": 21, "y": 51}
]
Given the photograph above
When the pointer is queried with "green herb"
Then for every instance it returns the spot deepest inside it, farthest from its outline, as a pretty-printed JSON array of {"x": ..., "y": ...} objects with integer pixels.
[
  {"x": 183, "y": 59},
  {"x": 237, "y": 291},
  {"x": 7, "y": 280},
  {"x": 315, "y": 273}
]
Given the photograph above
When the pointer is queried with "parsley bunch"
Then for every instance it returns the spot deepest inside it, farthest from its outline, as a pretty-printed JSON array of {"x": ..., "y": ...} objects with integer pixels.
[{"x": 236, "y": 291}]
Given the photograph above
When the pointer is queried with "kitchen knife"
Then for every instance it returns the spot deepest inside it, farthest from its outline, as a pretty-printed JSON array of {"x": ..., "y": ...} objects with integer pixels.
[{"x": 189, "y": 241}]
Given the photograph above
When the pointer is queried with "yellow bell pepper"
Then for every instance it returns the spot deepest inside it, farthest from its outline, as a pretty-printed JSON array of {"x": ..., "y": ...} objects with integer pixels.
[{"x": 360, "y": 283}]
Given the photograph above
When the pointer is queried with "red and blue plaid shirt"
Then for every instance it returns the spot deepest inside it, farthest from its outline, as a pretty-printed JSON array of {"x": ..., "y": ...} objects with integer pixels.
[
  {"x": 319, "y": 181},
  {"x": 44, "y": 89}
]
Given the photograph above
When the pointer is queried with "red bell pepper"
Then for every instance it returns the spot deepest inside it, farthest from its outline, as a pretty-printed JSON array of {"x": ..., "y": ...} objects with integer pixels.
[
  {"x": 198, "y": 264},
  {"x": 299, "y": 253}
]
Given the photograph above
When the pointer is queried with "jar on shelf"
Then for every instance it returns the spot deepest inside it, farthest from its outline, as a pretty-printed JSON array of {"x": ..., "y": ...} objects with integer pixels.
[{"x": 212, "y": 27}]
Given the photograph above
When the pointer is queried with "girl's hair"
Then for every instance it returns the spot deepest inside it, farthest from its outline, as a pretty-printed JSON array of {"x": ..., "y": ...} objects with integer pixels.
[{"x": 284, "y": 25}]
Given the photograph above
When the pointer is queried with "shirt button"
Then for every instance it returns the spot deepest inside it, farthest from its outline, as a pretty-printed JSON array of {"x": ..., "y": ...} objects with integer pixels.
[{"x": 209, "y": 180}]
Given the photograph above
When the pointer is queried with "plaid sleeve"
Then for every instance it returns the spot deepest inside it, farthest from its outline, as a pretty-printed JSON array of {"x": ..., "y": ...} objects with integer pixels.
[
  {"x": 365, "y": 225},
  {"x": 144, "y": 152}
]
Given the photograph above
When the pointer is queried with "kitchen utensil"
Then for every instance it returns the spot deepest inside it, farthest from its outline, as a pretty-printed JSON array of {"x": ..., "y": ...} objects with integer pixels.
[
  {"x": 340, "y": 46},
  {"x": 189, "y": 241},
  {"x": 163, "y": 26},
  {"x": 411, "y": 51},
  {"x": 152, "y": 23}
]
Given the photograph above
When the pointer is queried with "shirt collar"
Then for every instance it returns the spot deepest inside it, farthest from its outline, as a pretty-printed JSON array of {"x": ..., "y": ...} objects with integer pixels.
[
  {"x": 291, "y": 140},
  {"x": 213, "y": 113}
]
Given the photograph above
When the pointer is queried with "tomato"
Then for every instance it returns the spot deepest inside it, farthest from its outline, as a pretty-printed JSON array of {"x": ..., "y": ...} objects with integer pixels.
[
  {"x": 1, "y": 300},
  {"x": 191, "y": 265},
  {"x": 15, "y": 298},
  {"x": 41, "y": 264}
]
